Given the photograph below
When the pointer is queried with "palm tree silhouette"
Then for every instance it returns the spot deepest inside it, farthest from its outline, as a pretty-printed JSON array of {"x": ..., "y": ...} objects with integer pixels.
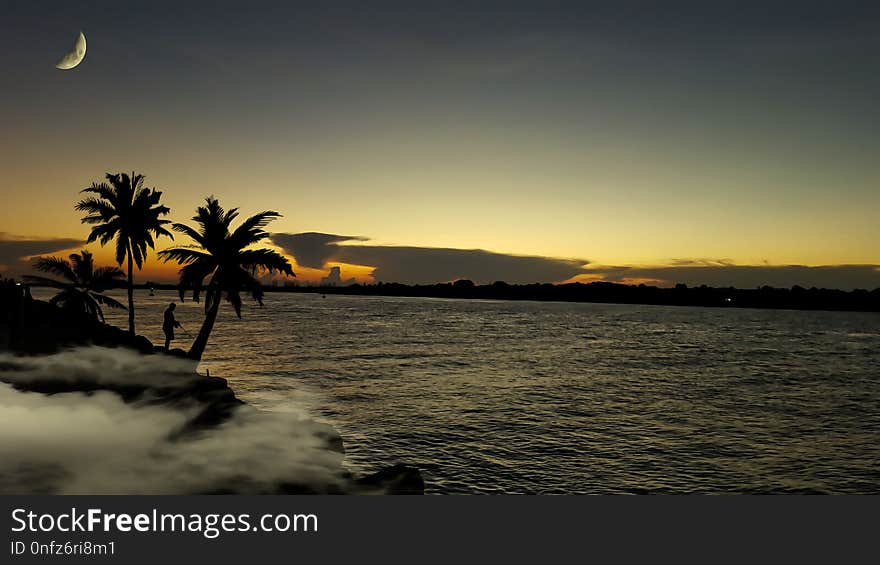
[
  {"x": 84, "y": 284},
  {"x": 128, "y": 212},
  {"x": 223, "y": 255}
]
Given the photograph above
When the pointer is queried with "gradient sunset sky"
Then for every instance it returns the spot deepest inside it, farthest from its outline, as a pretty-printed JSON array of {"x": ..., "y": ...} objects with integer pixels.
[{"x": 719, "y": 142}]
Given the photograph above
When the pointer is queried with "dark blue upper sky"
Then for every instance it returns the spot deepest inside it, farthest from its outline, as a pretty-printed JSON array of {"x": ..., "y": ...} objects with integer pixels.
[{"x": 617, "y": 132}]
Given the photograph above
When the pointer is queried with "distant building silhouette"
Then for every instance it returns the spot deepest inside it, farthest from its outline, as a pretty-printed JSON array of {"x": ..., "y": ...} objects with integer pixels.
[{"x": 334, "y": 278}]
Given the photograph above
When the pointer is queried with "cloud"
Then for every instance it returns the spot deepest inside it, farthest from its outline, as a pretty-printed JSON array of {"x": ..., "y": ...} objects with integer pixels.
[
  {"x": 76, "y": 443},
  {"x": 312, "y": 249},
  {"x": 425, "y": 265},
  {"x": 15, "y": 250},
  {"x": 722, "y": 273}
]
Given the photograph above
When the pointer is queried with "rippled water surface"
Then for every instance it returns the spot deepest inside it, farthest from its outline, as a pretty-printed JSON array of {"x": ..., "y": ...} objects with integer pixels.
[{"x": 527, "y": 397}]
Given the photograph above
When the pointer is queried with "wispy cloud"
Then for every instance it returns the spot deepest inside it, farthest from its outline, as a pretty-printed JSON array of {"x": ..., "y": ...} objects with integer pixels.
[{"x": 723, "y": 273}]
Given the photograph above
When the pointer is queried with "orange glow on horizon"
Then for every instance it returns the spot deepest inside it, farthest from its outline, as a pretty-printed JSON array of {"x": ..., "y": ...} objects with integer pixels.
[
  {"x": 156, "y": 270},
  {"x": 586, "y": 278}
]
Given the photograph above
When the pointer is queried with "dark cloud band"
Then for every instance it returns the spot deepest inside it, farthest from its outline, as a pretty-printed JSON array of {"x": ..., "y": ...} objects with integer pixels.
[
  {"x": 724, "y": 274},
  {"x": 13, "y": 250},
  {"x": 426, "y": 265}
]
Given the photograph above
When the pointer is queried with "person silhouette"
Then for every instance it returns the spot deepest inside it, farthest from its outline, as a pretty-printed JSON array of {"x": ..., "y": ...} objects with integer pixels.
[{"x": 169, "y": 324}]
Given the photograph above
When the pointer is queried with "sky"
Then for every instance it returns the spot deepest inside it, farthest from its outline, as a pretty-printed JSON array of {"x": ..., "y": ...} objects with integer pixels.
[{"x": 698, "y": 142}]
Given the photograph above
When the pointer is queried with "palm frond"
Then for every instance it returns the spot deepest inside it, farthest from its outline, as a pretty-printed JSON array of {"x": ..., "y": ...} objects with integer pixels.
[
  {"x": 121, "y": 249},
  {"x": 106, "y": 277},
  {"x": 184, "y": 255},
  {"x": 212, "y": 295},
  {"x": 160, "y": 231},
  {"x": 105, "y": 231},
  {"x": 251, "y": 230},
  {"x": 189, "y": 232},
  {"x": 138, "y": 252},
  {"x": 229, "y": 216},
  {"x": 101, "y": 210},
  {"x": 234, "y": 298},
  {"x": 56, "y": 266},
  {"x": 256, "y": 260},
  {"x": 83, "y": 266},
  {"x": 192, "y": 277},
  {"x": 103, "y": 191},
  {"x": 107, "y": 301}
]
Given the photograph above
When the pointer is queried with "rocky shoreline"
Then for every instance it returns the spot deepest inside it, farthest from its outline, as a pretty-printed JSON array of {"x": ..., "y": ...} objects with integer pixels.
[{"x": 209, "y": 403}]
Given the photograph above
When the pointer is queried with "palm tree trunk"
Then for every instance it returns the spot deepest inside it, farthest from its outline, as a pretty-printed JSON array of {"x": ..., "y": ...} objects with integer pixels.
[
  {"x": 130, "y": 292},
  {"x": 201, "y": 341}
]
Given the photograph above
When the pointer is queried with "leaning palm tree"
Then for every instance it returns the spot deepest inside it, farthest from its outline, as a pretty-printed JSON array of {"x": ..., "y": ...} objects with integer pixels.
[
  {"x": 224, "y": 256},
  {"x": 83, "y": 287},
  {"x": 126, "y": 211}
]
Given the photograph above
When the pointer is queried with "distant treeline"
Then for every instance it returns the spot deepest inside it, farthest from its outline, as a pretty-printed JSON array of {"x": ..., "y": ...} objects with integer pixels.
[{"x": 795, "y": 297}]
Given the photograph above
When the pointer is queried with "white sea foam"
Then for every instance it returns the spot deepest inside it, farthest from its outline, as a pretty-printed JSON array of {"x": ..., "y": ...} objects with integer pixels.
[{"x": 74, "y": 443}]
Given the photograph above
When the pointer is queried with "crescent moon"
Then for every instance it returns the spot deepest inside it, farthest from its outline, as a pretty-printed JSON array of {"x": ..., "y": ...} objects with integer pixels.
[{"x": 75, "y": 56}]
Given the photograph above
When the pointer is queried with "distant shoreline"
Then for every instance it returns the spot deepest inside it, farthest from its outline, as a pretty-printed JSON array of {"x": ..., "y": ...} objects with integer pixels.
[{"x": 794, "y": 298}]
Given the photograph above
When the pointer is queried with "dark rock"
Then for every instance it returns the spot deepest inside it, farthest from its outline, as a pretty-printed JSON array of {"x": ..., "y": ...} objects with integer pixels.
[
  {"x": 36, "y": 327},
  {"x": 332, "y": 438},
  {"x": 397, "y": 479},
  {"x": 142, "y": 344}
]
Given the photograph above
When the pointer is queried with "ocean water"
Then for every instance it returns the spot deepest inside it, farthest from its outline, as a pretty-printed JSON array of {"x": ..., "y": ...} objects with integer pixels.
[{"x": 529, "y": 397}]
